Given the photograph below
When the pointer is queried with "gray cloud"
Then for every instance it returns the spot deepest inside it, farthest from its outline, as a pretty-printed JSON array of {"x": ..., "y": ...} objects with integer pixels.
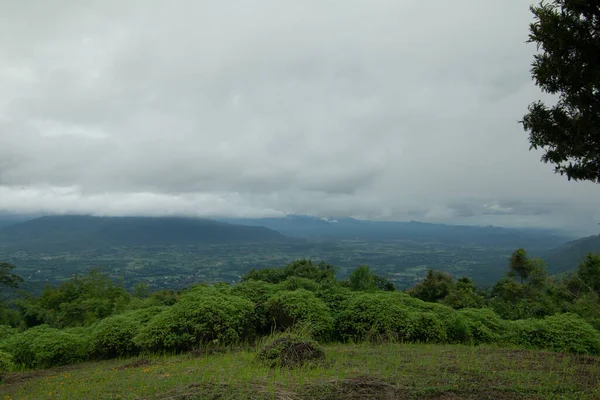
[{"x": 379, "y": 109}]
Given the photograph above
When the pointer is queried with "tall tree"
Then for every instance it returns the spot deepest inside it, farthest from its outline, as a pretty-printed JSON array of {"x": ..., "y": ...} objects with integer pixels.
[
  {"x": 589, "y": 271},
  {"x": 7, "y": 278},
  {"x": 520, "y": 265},
  {"x": 567, "y": 34},
  {"x": 435, "y": 287}
]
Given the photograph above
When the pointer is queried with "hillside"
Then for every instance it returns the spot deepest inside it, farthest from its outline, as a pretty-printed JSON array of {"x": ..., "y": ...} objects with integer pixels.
[
  {"x": 567, "y": 257},
  {"x": 78, "y": 232},
  {"x": 350, "y": 228}
]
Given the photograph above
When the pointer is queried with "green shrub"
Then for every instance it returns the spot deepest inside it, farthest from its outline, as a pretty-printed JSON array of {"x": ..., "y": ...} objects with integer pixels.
[
  {"x": 428, "y": 328},
  {"x": 79, "y": 301},
  {"x": 294, "y": 283},
  {"x": 9, "y": 315},
  {"x": 454, "y": 324},
  {"x": 435, "y": 286},
  {"x": 259, "y": 293},
  {"x": 44, "y": 347},
  {"x": 290, "y": 351},
  {"x": 362, "y": 279},
  {"x": 375, "y": 315},
  {"x": 411, "y": 302},
  {"x": 6, "y": 331},
  {"x": 113, "y": 336},
  {"x": 256, "y": 291},
  {"x": 6, "y": 363},
  {"x": 336, "y": 297},
  {"x": 202, "y": 315},
  {"x": 484, "y": 325},
  {"x": 563, "y": 332},
  {"x": 223, "y": 287},
  {"x": 300, "y": 308}
]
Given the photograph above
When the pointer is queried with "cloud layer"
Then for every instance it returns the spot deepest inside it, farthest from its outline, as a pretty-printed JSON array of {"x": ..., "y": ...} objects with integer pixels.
[{"x": 378, "y": 109}]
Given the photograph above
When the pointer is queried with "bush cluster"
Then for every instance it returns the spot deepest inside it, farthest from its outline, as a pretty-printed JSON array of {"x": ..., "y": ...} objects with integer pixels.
[
  {"x": 203, "y": 315},
  {"x": 303, "y": 309},
  {"x": 323, "y": 308},
  {"x": 564, "y": 333},
  {"x": 6, "y": 363},
  {"x": 6, "y": 331},
  {"x": 43, "y": 347},
  {"x": 113, "y": 336}
]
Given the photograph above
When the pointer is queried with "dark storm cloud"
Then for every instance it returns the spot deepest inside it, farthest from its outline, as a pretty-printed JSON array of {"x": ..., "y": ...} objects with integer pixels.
[{"x": 379, "y": 109}]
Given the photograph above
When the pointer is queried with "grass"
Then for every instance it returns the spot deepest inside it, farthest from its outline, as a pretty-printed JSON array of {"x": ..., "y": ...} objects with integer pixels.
[{"x": 363, "y": 371}]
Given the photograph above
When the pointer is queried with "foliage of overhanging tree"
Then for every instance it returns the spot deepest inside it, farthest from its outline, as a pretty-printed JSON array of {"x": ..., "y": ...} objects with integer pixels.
[{"x": 567, "y": 33}]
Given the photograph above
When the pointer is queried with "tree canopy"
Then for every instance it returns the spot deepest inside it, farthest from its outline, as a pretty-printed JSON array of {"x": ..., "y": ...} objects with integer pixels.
[
  {"x": 7, "y": 278},
  {"x": 567, "y": 34}
]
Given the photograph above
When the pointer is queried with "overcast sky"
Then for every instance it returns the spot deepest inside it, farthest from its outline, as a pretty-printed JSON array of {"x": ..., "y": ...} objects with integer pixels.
[{"x": 389, "y": 109}]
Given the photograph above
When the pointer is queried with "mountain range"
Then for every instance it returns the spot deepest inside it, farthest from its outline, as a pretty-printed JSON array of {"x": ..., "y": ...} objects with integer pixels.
[
  {"x": 351, "y": 228},
  {"x": 77, "y": 232}
]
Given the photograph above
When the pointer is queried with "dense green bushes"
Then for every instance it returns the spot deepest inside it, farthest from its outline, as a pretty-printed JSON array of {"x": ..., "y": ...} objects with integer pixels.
[
  {"x": 43, "y": 346},
  {"x": 6, "y": 331},
  {"x": 294, "y": 283},
  {"x": 201, "y": 316},
  {"x": 335, "y": 297},
  {"x": 258, "y": 292},
  {"x": 300, "y": 308},
  {"x": 484, "y": 326},
  {"x": 6, "y": 363},
  {"x": 80, "y": 301},
  {"x": 564, "y": 332},
  {"x": 304, "y": 297},
  {"x": 375, "y": 315},
  {"x": 113, "y": 336}
]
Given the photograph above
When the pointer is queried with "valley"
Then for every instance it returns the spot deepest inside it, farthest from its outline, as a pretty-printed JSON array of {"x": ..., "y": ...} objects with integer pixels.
[
  {"x": 404, "y": 262},
  {"x": 175, "y": 252}
]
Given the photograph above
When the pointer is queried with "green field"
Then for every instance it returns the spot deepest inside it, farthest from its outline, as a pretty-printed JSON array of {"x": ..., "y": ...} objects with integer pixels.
[{"x": 387, "y": 371}]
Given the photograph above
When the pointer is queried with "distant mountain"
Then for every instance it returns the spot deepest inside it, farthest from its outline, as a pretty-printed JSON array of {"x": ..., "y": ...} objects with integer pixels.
[
  {"x": 79, "y": 232},
  {"x": 350, "y": 228},
  {"x": 13, "y": 219},
  {"x": 567, "y": 257}
]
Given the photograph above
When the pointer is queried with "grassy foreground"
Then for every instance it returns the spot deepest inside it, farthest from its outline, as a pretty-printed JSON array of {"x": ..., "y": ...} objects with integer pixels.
[{"x": 389, "y": 371}]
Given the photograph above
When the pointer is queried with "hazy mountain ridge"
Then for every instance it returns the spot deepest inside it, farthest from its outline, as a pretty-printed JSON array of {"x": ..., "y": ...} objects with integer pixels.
[
  {"x": 410, "y": 245},
  {"x": 70, "y": 232},
  {"x": 567, "y": 257},
  {"x": 350, "y": 228}
]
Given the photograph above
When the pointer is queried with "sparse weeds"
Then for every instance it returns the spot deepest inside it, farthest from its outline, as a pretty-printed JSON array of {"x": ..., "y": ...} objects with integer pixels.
[{"x": 291, "y": 351}]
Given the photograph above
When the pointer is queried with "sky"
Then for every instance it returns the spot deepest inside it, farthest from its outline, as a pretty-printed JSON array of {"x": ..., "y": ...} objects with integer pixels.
[{"x": 378, "y": 109}]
